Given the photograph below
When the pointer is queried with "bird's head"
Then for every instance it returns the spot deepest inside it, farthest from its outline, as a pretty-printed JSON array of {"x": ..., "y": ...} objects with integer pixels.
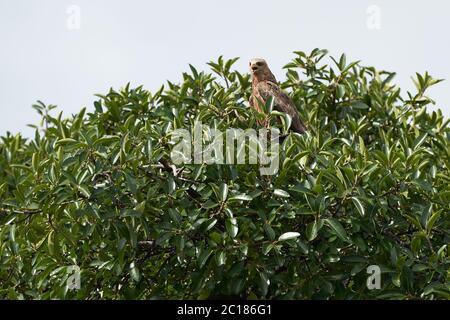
[
  {"x": 258, "y": 65},
  {"x": 260, "y": 70}
]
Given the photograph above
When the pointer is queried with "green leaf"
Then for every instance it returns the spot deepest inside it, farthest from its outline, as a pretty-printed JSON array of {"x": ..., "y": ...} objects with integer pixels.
[
  {"x": 359, "y": 206},
  {"x": 242, "y": 197},
  {"x": 35, "y": 162},
  {"x": 340, "y": 91},
  {"x": 203, "y": 257},
  {"x": 232, "y": 227},
  {"x": 420, "y": 140},
  {"x": 268, "y": 106},
  {"x": 221, "y": 258},
  {"x": 209, "y": 224},
  {"x": 269, "y": 231},
  {"x": 281, "y": 193},
  {"x": 132, "y": 185},
  {"x": 134, "y": 272},
  {"x": 313, "y": 228},
  {"x": 84, "y": 191},
  {"x": 342, "y": 62},
  {"x": 336, "y": 226},
  {"x": 106, "y": 140},
  {"x": 65, "y": 141},
  {"x": 264, "y": 283},
  {"x": 432, "y": 220},
  {"x": 267, "y": 248},
  {"x": 419, "y": 267},
  {"x": 50, "y": 243},
  {"x": 288, "y": 236},
  {"x": 223, "y": 192},
  {"x": 417, "y": 242},
  {"x": 176, "y": 217},
  {"x": 359, "y": 105}
]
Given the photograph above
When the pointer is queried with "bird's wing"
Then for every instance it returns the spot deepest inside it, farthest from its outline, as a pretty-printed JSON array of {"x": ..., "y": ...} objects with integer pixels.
[{"x": 282, "y": 103}]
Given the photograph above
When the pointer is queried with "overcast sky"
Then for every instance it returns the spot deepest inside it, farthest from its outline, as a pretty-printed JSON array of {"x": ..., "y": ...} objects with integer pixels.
[{"x": 63, "y": 52}]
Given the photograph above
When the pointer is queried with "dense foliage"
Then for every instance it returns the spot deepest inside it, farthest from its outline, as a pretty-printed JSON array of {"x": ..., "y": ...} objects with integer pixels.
[{"x": 368, "y": 185}]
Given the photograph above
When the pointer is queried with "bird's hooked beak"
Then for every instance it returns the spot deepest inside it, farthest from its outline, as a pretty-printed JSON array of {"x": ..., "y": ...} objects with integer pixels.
[{"x": 253, "y": 67}]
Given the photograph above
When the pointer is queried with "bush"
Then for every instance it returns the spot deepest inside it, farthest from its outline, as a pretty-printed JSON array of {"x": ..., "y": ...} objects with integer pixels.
[{"x": 368, "y": 185}]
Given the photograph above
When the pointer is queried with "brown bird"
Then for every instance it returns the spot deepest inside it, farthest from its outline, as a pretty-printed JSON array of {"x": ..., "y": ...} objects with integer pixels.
[{"x": 264, "y": 85}]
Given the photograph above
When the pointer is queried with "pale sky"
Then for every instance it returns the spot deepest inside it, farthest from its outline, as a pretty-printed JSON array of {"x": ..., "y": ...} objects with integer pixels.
[{"x": 44, "y": 56}]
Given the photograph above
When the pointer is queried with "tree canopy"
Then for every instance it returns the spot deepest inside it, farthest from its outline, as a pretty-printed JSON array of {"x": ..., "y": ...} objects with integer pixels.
[{"x": 367, "y": 185}]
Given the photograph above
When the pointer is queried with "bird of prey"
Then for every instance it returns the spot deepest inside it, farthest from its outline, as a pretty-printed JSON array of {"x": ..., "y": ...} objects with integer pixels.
[{"x": 265, "y": 85}]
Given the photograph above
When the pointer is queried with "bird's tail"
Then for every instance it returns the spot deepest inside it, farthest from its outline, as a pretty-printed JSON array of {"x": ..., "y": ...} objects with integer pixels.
[{"x": 298, "y": 126}]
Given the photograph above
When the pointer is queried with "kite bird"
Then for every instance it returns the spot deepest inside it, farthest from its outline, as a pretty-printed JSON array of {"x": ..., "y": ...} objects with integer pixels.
[{"x": 265, "y": 85}]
